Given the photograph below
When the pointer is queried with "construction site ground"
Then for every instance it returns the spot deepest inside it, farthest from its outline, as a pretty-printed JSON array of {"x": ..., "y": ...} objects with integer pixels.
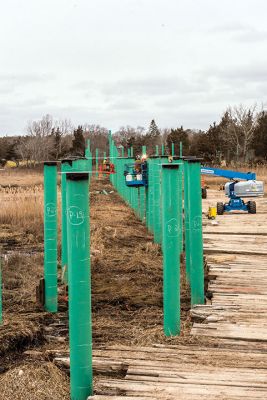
[{"x": 221, "y": 353}]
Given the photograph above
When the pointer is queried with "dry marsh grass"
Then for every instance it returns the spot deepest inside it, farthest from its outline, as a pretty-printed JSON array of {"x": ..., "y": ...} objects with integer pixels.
[
  {"x": 22, "y": 209},
  {"x": 18, "y": 278},
  {"x": 20, "y": 177},
  {"x": 34, "y": 381}
]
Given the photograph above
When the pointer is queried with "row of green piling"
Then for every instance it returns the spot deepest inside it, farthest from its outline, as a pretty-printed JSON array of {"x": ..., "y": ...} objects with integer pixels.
[
  {"x": 170, "y": 203},
  {"x": 170, "y": 207}
]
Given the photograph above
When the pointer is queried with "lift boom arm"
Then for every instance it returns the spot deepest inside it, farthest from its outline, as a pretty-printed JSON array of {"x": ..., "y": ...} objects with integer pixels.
[{"x": 225, "y": 173}]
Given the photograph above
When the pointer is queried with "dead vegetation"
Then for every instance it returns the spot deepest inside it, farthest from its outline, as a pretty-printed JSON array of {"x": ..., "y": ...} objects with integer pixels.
[
  {"x": 20, "y": 177},
  {"x": 22, "y": 320},
  {"x": 17, "y": 332},
  {"x": 20, "y": 275},
  {"x": 22, "y": 211},
  {"x": 36, "y": 381}
]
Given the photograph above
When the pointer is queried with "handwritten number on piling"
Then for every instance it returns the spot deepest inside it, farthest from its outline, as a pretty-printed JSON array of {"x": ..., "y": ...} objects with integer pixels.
[{"x": 75, "y": 215}]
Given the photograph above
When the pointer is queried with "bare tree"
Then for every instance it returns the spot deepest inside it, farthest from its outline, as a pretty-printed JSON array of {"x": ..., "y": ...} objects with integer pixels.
[
  {"x": 124, "y": 135},
  {"x": 65, "y": 126},
  {"x": 240, "y": 128},
  {"x": 45, "y": 138},
  {"x": 42, "y": 127},
  {"x": 98, "y": 136}
]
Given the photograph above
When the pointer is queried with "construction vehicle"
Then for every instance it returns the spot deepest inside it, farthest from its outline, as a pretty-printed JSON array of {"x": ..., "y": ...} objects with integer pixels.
[
  {"x": 136, "y": 174},
  {"x": 241, "y": 185}
]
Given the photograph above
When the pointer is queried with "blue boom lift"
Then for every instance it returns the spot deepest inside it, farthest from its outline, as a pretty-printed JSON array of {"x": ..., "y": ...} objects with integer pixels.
[
  {"x": 235, "y": 189},
  {"x": 136, "y": 174}
]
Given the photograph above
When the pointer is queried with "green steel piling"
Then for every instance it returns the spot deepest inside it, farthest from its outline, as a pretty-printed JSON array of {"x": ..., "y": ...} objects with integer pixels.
[
  {"x": 87, "y": 150},
  {"x": 187, "y": 223},
  {"x": 50, "y": 235},
  {"x": 69, "y": 165},
  {"x": 88, "y": 156},
  {"x": 173, "y": 149},
  {"x": 64, "y": 244},
  {"x": 194, "y": 244},
  {"x": 80, "y": 325},
  {"x": 141, "y": 194},
  {"x": 156, "y": 214},
  {"x": 171, "y": 249},
  {"x": 150, "y": 195}
]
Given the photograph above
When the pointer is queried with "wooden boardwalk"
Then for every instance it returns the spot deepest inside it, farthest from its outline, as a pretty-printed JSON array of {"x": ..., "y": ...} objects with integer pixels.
[{"x": 230, "y": 361}]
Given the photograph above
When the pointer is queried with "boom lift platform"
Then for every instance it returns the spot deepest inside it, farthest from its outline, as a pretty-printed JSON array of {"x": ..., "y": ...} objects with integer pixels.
[
  {"x": 136, "y": 174},
  {"x": 235, "y": 189}
]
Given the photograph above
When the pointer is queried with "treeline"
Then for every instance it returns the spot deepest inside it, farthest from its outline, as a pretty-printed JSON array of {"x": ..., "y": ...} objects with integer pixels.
[
  {"x": 239, "y": 137},
  {"x": 49, "y": 139}
]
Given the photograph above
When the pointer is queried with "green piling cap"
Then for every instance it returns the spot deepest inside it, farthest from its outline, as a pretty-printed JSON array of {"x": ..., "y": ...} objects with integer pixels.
[
  {"x": 77, "y": 176},
  {"x": 50, "y": 163},
  {"x": 170, "y": 166}
]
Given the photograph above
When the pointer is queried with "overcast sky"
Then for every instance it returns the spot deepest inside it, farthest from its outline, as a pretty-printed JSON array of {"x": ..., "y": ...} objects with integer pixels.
[{"x": 119, "y": 62}]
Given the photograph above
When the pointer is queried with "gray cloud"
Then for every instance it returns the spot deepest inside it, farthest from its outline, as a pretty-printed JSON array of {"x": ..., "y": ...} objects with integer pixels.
[
  {"x": 151, "y": 86},
  {"x": 117, "y": 62},
  {"x": 250, "y": 73},
  {"x": 240, "y": 32},
  {"x": 11, "y": 82}
]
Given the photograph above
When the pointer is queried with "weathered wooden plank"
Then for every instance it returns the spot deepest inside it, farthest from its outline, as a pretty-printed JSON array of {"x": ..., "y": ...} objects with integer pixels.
[
  {"x": 110, "y": 397},
  {"x": 101, "y": 366},
  {"x": 179, "y": 389}
]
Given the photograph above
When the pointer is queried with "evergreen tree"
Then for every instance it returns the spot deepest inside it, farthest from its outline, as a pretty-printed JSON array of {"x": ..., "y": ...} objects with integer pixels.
[
  {"x": 152, "y": 137},
  {"x": 176, "y": 136},
  {"x": 11, "y": 153},
  {"x": 153, "y": 130},
  {"x": 259, "y": 143},
  {"x": 78, "y": 143},
  {"x": 4, "y": 146}
]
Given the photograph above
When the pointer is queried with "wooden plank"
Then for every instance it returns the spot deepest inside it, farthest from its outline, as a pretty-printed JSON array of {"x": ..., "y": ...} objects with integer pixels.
[
  {"x": 110, "y": 397},
  {"x": 179, "y": 389}
]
